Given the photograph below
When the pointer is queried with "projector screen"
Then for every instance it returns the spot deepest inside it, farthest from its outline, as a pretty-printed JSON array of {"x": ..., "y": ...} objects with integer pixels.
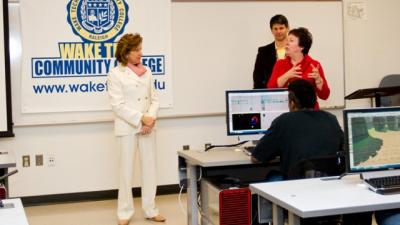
[{"x": 5, "y": 83}]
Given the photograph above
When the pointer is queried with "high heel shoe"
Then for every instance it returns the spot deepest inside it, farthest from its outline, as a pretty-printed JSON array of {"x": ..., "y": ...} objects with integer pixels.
[
  {"x": 157, "y": 218},
  {"x": 123, "y": 222}
]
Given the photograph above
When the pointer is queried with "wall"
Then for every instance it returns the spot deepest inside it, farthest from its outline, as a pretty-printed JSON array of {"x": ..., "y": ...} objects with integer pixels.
[
  {"x": 85, "y": 153},
  {"x": 86, "y": 158},
  {"x": 371, "y": 45}
]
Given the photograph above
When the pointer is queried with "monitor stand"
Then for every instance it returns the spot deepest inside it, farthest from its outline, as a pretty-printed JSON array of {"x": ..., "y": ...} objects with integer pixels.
[{"x": 375, "y": 174}]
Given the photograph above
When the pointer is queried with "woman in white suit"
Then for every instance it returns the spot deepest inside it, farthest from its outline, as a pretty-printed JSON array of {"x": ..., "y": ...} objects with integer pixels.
[{"x": 135, "y": 105}]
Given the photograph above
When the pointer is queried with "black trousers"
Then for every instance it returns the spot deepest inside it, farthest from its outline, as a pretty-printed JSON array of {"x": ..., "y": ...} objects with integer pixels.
[{"x": 358, "y": 219}]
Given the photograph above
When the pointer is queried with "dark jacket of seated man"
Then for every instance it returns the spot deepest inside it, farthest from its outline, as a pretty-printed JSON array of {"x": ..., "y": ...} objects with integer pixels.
[{"x": 301, "y": 133}]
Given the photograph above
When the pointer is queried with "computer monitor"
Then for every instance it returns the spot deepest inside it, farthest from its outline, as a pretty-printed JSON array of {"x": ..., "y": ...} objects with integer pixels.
[
  {"x": 250, "y": 112},
  {"x": 372, "y": 139}
]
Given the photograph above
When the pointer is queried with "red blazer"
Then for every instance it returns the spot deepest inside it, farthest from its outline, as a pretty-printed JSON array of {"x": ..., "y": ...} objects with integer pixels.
[{"x": 283, "y": 65}]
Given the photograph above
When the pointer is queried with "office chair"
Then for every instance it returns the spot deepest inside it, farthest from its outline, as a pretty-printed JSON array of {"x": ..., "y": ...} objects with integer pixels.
[
  {"x": 388, "y": 81},
  {"x": 331, "y": 165},
  {"x": 322, "y": 166}
]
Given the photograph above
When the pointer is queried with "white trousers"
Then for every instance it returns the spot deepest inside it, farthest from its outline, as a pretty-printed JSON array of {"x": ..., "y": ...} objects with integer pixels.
[{"x": 128, "y": 146}]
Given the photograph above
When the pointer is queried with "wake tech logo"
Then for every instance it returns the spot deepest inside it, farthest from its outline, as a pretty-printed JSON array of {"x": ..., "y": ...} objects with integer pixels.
[{"x": 97, "y": 20}]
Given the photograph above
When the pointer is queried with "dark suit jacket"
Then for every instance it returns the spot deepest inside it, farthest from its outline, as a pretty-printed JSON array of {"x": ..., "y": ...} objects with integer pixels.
[{"x": 265, "y": 62}]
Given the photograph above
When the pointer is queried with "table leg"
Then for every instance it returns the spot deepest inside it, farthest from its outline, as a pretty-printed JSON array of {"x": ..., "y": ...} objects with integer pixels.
[
  {"x": 277, "y": 215},
  {"x": 293, "y": 219},
  {"x": 192, "y": 209}
]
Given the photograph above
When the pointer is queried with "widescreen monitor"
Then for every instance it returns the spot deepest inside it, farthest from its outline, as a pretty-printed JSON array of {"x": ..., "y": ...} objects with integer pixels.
[
  {"x": 372, "y": 139},
  {"x": 250, "y": 112}
]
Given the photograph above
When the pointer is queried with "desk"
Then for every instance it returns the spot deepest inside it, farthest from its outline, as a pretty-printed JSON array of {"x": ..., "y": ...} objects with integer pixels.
[
  {"x": 7, "y": 160},
  {"x": 13, "y": 215},
  {"x": 315, "y": 197},
  {"x": 214, "y": 158},
  {"x": 376, "y": 93}
]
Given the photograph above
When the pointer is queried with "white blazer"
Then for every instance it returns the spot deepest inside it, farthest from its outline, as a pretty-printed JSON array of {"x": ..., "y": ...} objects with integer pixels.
[{"x": 131, "y": 97}]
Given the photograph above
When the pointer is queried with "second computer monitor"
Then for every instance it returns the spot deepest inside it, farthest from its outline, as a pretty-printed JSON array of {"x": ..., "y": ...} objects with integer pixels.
[
  {"x": 372, "y": 139},
  {"x": 250, "y": 112}
]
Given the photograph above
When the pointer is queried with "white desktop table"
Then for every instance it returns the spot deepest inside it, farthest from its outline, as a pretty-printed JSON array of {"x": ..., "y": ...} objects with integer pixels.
[
  {"x": 213, "y": 158},
  {"x": 315, "y": 197},
  {"x": 13, "y": 213}
]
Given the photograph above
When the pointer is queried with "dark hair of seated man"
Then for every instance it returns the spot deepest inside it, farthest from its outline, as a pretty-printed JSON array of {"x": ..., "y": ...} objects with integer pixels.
[{"x": 301, "y": 95}]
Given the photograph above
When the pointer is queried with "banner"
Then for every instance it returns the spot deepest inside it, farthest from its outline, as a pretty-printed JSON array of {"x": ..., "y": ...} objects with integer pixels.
[{"x": 69, "y": 46}]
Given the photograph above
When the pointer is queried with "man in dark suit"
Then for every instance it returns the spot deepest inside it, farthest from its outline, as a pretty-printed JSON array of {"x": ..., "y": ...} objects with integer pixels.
[{"x": 267, "y": 55}]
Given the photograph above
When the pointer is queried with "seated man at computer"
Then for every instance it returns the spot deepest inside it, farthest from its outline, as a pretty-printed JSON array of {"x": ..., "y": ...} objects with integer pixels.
[{"x": 301, "y": 133}]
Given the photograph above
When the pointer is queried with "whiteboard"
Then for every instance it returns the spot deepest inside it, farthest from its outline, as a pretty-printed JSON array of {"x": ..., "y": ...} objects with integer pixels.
[
  {"x": 371, "y": 44},
  {"x": 214, "y": 45},
  {"x": 5, "y": 94}
]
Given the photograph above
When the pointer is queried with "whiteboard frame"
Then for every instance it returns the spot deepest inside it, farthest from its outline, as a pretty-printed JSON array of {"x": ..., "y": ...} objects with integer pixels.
[{"x": 6, "y": 63}]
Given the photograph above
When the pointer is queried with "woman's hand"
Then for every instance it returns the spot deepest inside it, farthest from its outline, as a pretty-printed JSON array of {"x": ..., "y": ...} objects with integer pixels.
[
  {"x": 146, "y": 130},
  {"x": 148, "y": 124},
  {"x": 148, "y": 121},
  {"x": 294, "y": 72},
  {"x": 316, "y": 76}
]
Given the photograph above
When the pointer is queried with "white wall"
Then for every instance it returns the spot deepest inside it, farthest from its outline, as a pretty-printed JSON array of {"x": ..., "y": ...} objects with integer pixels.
[
  {"x": 86, "y": 157},
  {"x": 85, "y": 153},
  {"x": 371, "y": 45}
]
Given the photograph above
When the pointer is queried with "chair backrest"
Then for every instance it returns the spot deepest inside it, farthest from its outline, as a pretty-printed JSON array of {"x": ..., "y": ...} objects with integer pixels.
[
  {"x": 331, "y": 165},
  {"x": 388, "y": 81}
]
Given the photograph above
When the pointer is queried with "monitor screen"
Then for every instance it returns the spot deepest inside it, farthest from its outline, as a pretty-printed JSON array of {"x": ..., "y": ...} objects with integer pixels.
[
  {"x": 250, "y": 112},
  {"x": 372, "y": 139}
]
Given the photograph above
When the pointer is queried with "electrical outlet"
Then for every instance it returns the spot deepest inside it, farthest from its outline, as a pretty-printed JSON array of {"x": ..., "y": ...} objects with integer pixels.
[
  {"x": 186, "y": 147},
  {"x": 207, "y": 145},
  {"x": 26, "y": 161},
  {"x": 51, "y": 161},
  {"x": 39, "y": 160}
]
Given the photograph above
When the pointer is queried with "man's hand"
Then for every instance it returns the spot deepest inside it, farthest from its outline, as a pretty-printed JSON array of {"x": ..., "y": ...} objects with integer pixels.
[{"x": 254, "y": 160}]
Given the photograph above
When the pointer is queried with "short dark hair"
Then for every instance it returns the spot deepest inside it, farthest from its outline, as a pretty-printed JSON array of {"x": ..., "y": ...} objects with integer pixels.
[
  {"x": 305, "y": 38},
  {"x": 302, "y": 93},
  {"x": 278, "y": 19},
  {"x": 127, "y": 43}
]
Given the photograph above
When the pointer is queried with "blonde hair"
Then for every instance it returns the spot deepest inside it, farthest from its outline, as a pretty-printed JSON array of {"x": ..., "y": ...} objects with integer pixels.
[{"x": 127, "y": 43}]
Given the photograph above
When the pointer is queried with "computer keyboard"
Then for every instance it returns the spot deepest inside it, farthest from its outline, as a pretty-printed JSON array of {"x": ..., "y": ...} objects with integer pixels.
[
  {"x": 384, "y": 185},
  {"x": 249, "y": 149}
]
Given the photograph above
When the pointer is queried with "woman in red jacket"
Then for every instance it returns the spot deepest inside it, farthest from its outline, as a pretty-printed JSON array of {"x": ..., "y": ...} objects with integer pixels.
[{"x": 299, "y": 65}]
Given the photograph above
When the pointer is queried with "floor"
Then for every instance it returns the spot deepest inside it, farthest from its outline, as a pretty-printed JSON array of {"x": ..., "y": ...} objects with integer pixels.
[{"x": 104, "y": 212}]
